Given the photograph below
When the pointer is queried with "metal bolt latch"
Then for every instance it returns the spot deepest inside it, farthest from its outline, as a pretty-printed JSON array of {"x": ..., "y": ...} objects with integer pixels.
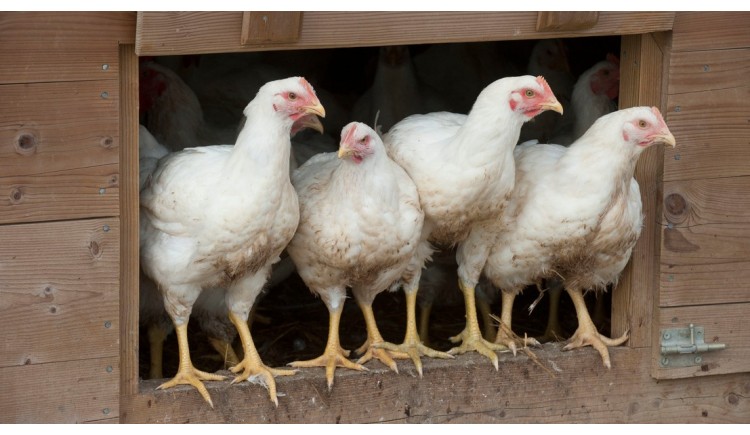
[{"x": 682, "y": 345}]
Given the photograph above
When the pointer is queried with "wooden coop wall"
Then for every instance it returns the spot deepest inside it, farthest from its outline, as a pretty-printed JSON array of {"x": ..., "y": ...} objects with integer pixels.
[
  {"x": 68, "y": 233},
  {"x": 59, "y": 222}
]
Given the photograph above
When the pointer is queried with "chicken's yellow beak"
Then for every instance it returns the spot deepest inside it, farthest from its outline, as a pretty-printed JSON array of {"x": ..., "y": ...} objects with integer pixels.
[
  {"x": 315, "y": 109},
  {"x": 312, "y": 122},
  {"x": 553, "y": 105},
  {"x": 345, "y": 152},
  {"x": 665, "y": 138}
]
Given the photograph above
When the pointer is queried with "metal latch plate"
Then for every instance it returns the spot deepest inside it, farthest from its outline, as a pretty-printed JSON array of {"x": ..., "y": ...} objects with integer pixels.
[{"x": 681, "y": 347}]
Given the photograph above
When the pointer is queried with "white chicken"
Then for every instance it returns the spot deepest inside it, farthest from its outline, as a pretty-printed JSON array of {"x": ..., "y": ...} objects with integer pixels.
[
  {"x": 360, "y": 222},
  {"x": 219, "y": 216},
  {"x": 575, "y": 214},
  {"x": 464, "y": 171}
]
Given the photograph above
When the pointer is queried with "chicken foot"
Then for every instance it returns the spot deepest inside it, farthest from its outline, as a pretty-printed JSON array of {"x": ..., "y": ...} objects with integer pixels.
[
  {"x": 587, "y": 335},
  {"x": 505, "y": 335},
  {"x": 412, "y": 346},
  {"x": 187, "y": 374},
  {"x": 471, "y": 336},
  {"x": 368, "y": 349},
  {"x": 333, "y": 356},
  {"x": 251, "y": 364}
]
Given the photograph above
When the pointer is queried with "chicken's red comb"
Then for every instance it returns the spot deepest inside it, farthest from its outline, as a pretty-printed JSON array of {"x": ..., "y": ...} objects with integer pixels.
[
  {"x": 305, "y": 84},
  {"x": 543, "y": 83},
  {"x": 657, "y": 113},
  {"x": 348, "y": 133}
]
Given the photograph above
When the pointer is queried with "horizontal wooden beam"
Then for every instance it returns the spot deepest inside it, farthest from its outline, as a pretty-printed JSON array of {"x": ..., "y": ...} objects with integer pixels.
[
  {"x": 566, "y": 21},
  {"x": 170, "y": 33},
  {"x": 711, "y": 30},
  {"x": 572, "y": 387},
  {"x": 270, "y": 27}
]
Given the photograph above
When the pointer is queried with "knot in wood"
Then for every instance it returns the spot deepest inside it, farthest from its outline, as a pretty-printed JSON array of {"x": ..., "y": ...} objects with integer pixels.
[
  {"x": 16, "y": 195},
  {"x": 107, "y": 142},
  {"x": 676, "y": 208},
  {"x": 26, "y": 143},
  {"x": 94, "y": 249}
]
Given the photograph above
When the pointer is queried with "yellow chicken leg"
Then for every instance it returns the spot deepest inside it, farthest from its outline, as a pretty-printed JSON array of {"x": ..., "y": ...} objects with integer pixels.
[
  {"x": 156, "y": 337},
  {"x": 225, "y": 350},
  {"x": 333, "y": 356},
  {"x": 587, "y": 335},
  {"x": 412, "y": 346},
  {"x": 187, "y": 374},
  {"x": 471, "y": 336},
  {"x": 373, "y": 338},
  {"x": 424, "y": 322},
  {"x": 251, "y": 365},
  {"x": 505, "y": 335}
]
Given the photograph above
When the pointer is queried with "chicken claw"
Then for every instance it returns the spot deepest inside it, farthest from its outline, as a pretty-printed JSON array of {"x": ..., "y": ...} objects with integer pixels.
[
  {"x": 251, "y": 364},
  {"x": 587, "y": 335},
  {"x": 368, "y": 349},
  {"x": 187, "y": 373},
  {"x": 412, "y": 347},
  {"x": 329, "y": 360}
]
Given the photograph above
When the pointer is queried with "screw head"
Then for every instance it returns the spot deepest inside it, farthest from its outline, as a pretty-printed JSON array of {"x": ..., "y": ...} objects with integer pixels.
[
  {"x": 102, "y": 191},
  {"x": 104, "y": 95},
  {"x": 109, "y": 369},
  {"x": 706, "y": 68},
  {"x": 105, "y": 67},
  {"x": 107, "y": 324},
  {"x": 105, "y": 411},
  {"x": 677, "y": 108},
  {"x": 105, "y": 228},
  {"x": 698, "y": 360},
  {"x": 667, "y": 335},
  {"x": 677, "y": 156},
  {"x": 665, "y": 361}
]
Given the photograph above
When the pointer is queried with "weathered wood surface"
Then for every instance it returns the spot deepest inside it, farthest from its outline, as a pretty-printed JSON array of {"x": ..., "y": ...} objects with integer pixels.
[
  {"x": 270, "y": 27},
  {"x": 711, "y": 30},
  {"x": 712, "y": 132},
  {"x": 568, "y": 20},
  {"x": 61, "y": 392},
  {"x": 467, "y": 390},
  {"x": 62, "y": 46},
  {"x": 168, "y": 33},
  {"x": 129, "y": 248},
  {"x": 58, "y": 148},
  {"x": 722, "y": 324},
  {"x": 706, "y": 242},
  {"x": 641, "y": 61},
  {"x": 59, "y": 292},
  {"x": 698, "y": 71}
]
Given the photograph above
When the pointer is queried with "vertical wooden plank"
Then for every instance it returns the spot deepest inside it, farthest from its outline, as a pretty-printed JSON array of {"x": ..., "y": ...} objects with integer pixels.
[
  {"x": 265, "y": 27},
  {"x": 642, "y": 63},
  {"x": 129, "y": 223}
]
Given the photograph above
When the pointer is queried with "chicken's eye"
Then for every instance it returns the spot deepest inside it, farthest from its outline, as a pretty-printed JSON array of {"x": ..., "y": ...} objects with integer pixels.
[
  {"x": 642, "y": 124},
  {"x": 363, "y": 140},
  {"x": 292, "y": 96},
  {"x": 529, "y": 93},
  {"x": 605, "y": 72}
]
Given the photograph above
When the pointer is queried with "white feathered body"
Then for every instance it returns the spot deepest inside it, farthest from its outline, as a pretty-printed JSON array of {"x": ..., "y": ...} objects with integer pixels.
[
  {"x": 575, "y": 214},
  {"x": 212, "y": 214},
  {"x": 359, "y": 223}
]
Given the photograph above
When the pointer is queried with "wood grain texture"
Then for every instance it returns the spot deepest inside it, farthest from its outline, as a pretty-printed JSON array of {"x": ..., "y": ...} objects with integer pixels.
[
  {"x": 270, "y": 27},
  {"x": 68, "y": 46},
  {"x": 59, "y": 292},
  {"x": 61, "y": 392},
  {"x": 129, "y": 261},
  {"x": 698, "y": 71},
  {"x": 722, "y": 324},
  {"x": 466, "y": 390},
  {"x": 641, "y": 66},
  {"x": 712, "y": 129},
  {"x": 706, "y": 247},
  {"x": 567, "y": 21},
  {"x": 169, "y": 33},
  {"x": 711, "y": 30},
  {"x": 58, "y": 147}
]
